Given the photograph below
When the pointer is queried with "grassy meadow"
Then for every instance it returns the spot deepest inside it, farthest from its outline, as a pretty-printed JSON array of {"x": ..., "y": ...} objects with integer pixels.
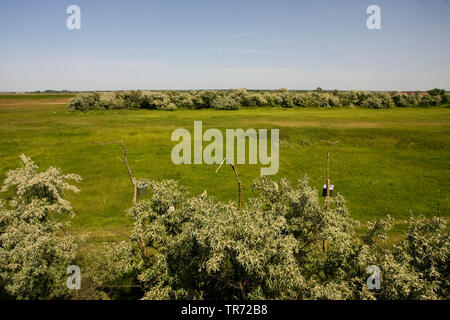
[{"x": 387, "y": 161}]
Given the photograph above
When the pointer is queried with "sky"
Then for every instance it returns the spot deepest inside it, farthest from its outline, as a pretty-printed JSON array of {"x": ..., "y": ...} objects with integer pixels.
[{"x": 209, "y": 44}]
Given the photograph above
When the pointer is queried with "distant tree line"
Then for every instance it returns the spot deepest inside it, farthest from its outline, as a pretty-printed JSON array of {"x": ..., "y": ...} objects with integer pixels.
[{"x": 234, "y": 99}]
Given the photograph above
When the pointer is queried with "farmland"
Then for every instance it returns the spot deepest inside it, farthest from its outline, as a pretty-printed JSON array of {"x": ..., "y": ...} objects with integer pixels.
[{"x": 387, "y": 161}]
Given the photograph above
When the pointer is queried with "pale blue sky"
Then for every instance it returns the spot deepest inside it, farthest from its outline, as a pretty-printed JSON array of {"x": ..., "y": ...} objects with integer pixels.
[{"x": 197, "y": 44}]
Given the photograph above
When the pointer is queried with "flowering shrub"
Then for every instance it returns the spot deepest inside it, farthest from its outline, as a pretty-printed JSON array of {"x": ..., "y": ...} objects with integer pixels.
[
  {"x": 85, "y": 101},
  {"x": 225, "y": 103},
  {"x": 34, "y": 251},
  {"x": 233, "y": 99},
  {"x": 155, "y": 100},
  {"x": 184, "y": 247},
  {"x": 427, "y": 100}
]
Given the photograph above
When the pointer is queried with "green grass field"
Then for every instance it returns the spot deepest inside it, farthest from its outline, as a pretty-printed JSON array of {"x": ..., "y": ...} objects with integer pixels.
[{"x": 387, "y": 161}]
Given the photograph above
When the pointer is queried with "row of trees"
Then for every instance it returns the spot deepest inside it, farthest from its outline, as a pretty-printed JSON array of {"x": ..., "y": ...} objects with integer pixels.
[
  {"x": 234, "y": 99},
  {"x": 184, "y": 247}
]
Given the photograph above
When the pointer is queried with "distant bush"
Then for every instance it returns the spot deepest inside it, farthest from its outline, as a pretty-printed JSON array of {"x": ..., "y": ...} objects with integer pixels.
[
  {"x": 386, "y": 99},
  {"x": 225, "y": 103},
  {"x": 129, "y": 99},
  {"x": 183, "y": 100},
  {"x": 400, "y": 100},
  {"x": 258, "y": 99},
  {"x": 274, "y": 99},
  {"x": 85, "y": 101},
  {"x": 334, "y": 101},
  {"x": 436, "y": 92},
  {"x": 428, "y": 100},
  {"x": 287, "y": 100},
  {"x": 234, "y": 98},
  {"x": 349, "y": 98},
  {"x": 155, "y": 100},
  {"x": 320, "y": 100},
  {"x": 205, "y": 98},
  {"x": 109, "y": 101},
  {"x": 372, "y": 103},
  {"x": 411, "y": 100}
]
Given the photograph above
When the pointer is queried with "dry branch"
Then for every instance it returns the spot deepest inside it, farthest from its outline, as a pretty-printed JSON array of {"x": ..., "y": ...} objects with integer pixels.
[
  {"x": 133, "y": 182},
  {"x": 237, "y": 179}
]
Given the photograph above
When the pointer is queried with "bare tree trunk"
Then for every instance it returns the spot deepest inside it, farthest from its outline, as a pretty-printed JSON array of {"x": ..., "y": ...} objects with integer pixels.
[
  {"x": 327, "y": 203},
  {"x": 134, "y": 183}
]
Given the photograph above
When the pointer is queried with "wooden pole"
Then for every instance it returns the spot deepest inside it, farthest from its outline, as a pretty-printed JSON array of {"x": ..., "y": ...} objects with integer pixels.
[
  {"x": 327, "y": 198},
  {"x": 133, "y": 181},
  {"x": 327, "y": 202}
]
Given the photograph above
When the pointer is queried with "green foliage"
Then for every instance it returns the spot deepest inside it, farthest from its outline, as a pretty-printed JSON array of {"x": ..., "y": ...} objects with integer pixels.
[
  {"x": 428, "y": 100},
  {"x": 205, "y": 98},
  {"x": 233, "y": 99},
  {"x": 225, "y": 103},
  {"x": 186, "y": 247},
  {"x": 84, "y": 101},
  {"x": 34, "y": 252},
  {"x": 109, "y": 101},
  {"x": 436, "y": 92},
  {"x": 129, "y": 99},
  {"x": 155, "y": 100}
]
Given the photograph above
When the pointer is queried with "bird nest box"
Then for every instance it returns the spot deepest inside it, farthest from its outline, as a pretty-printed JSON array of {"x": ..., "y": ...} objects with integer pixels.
[{"x": 324, "y": 190}]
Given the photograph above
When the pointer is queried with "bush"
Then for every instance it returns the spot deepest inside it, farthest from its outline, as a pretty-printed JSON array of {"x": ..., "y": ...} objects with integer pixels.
[
  {"x": 234, "y": 98},
  {"x": 241, "y": 96},
  {"x": 183, "y": 100},
  {"x": 129, "y": 99},
  {"x": 334, "y": 101},
  {"x": 108, "y": 101},
  {"x": 155, "y": 100},
  {"x": 205, "y": 98},
  {"x": 428, "y": 100},
  {"x": 275, "y": 99},
  {"x": 400, "y": 100},
  {"x": 372, "y": 103},
  {"x": 386, "y": 99},
  {"x": 320, "y": 100},
  {"x": 225, "y": 103},
  {"x": 436, "y": 92},
  {"x": 439, "y": 93},
  {"x": 34, "y": 252},
  {"x": 411, "y": 100},
  {"x": 349, "y": 98},
  {"x": 184, "y": 247},
  {"x": 258, "y": 99},
  {"x": 85, "y": 101},
  {"x": 299, "y": 99},
  {"x": 287, "y": 100}
]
